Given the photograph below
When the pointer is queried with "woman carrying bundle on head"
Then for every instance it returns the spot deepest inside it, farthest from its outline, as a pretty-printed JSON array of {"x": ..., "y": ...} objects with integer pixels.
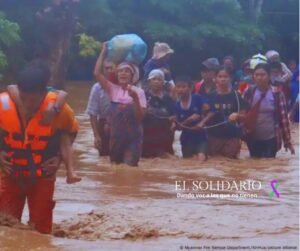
[{"x": 128, "y": 105}]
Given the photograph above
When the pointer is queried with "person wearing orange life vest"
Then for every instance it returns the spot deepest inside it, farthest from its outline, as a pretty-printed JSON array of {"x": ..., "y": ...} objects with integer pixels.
[
  {"x": 48, "y": 116},
  {"x": 29, "y": 150}
]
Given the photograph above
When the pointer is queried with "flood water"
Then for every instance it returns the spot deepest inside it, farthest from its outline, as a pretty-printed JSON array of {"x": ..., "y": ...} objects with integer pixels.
[{"x": 125, "y": 208}]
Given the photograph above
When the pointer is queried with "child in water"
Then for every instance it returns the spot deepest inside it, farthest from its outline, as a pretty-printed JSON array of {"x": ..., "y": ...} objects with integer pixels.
[
  {"x": 192, "y": 113},
  {"x": 49, "y": 117},
  {"x": 128, "y": 108}
]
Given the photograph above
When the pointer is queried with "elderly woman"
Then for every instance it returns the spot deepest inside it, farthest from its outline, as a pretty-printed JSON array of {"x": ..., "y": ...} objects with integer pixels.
[
  {"x": 158, "y": 137},
  {"x": 269, "y": 116},
  {"x": 128, "y": 105},
  {"x": 160, "y": 60}
]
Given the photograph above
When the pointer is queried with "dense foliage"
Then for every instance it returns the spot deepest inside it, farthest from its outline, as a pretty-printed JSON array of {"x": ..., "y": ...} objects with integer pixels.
[{"x": 196, "y": 29}]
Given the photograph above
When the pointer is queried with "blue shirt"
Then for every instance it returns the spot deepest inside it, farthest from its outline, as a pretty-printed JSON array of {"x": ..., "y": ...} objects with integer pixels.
[{"x": 196, "y": 105}]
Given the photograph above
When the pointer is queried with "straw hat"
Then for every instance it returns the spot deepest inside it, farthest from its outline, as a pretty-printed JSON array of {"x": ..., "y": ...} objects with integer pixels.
[{"x": 161, "y": 49}]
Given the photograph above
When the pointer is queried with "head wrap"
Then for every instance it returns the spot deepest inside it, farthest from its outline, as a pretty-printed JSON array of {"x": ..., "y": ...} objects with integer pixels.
[
  {"x": 156, "y": 73},
  {"x": 133, "y": 69}
]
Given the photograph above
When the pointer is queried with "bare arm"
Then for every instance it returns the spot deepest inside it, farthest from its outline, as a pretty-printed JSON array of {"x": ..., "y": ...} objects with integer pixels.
[
  {"x": 97, "y": 138},
  {"x": 61, "y": 99},
  {"x": 67, "y": 151},
  {"x": 208, "y": 116},
  {"x": 98, "y": 70}
]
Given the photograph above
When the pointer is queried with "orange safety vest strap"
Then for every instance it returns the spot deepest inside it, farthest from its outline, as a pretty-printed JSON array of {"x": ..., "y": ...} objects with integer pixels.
[{"x": 26, "y": 147}]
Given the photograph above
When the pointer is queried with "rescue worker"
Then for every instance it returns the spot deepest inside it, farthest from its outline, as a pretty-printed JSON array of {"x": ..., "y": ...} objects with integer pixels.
[{"x": 29, "y": 150}]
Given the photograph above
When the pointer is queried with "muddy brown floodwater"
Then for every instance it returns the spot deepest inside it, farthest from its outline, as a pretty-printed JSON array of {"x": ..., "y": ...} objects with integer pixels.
[{"x": 123, "y": 208}]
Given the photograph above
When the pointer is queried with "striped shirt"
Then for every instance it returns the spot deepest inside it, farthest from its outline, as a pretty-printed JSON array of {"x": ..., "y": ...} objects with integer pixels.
[{"x": 99, "y": 102}]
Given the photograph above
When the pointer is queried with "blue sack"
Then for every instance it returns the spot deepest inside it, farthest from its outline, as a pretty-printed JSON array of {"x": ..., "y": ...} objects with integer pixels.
[{"x": 127, "y": 47}]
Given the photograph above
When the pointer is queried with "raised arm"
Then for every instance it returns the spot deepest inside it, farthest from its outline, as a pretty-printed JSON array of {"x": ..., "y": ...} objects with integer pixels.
[{"x": 103, "y": 81}]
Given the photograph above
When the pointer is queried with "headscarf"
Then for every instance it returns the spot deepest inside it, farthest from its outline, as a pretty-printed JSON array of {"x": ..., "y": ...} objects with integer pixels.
[
  {"x": 133, "y": 69},
  {"x": 273, "y": 55},
  {"x": 156, "y": 73}
]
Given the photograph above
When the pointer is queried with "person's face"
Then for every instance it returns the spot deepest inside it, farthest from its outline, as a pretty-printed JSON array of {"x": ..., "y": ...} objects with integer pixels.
[
  {"x": 228, "y": 64},
  {"x": 124, "y": 76},
  {"x": 31, "y": 101},
  {"x": 183, "y": 89},
  {"x": 208, "y": 75},
  {"x": 108, "y": 68},
  {"x": 261, "y": 78},
  {"x": 275, "y": 72},
  {"x": 223, "y": 79},
  {"x": 156, "y": 84}
]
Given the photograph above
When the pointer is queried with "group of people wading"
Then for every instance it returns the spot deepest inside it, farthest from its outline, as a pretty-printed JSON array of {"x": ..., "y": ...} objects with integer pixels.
[{"x": 133, "y": 117}]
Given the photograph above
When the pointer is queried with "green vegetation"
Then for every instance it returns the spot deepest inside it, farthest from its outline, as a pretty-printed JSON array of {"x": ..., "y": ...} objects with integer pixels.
[{"x": 196, "y": 29}]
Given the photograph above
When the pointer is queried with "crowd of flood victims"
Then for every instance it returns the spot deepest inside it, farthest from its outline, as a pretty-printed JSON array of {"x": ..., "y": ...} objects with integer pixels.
[{"x": 136, "y": 112}]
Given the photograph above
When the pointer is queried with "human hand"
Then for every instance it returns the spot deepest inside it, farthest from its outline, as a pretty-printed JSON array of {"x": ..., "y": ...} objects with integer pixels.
[
  {"x": 132, "y": 93},
  {"x": 173, "y": 127},
  {"x": 97, "y": 142},
  {"x": 192, "y": 118},
  {"x": 51, "y": 165},
  {"x": 103, "y": 47},
  {"x": 233, "y": 117}
]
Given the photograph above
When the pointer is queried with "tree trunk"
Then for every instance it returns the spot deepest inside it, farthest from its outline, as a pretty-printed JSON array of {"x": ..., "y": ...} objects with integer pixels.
[
  {"x": 58, "y": 60},
  {"x": 255, "y": 8},
  {"x": 59, "y": 22}
]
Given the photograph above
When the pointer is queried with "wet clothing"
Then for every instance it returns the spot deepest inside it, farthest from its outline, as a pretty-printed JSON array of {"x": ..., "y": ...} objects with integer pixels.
[
  {"x": 39, "y": 197},
  {"x": 282, "y": 129},
  {"x": 190, "y": 137},
  {"x": 263, "y": 148},
  {"x": 126, "y": 135},
  {"x": 191, "y": 149},
  {"x": 38, "y": 191},
  {"x": 99, "y": 107},
  {"x": 227, "y": 147},
  {"x": 265, "y": 124},
  {"x": 119, "y": 95},
  {"x": 158, "y": 137},
  {"x": 225, "y": 139},
  {"x": 295, "y": 93},
  {"x": 98, "y": 103},
  {"x": 224, "y": 105}
]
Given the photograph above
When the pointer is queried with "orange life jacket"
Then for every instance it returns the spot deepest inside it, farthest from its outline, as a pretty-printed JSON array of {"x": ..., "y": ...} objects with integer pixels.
[{"x": 25, "y": 145}]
